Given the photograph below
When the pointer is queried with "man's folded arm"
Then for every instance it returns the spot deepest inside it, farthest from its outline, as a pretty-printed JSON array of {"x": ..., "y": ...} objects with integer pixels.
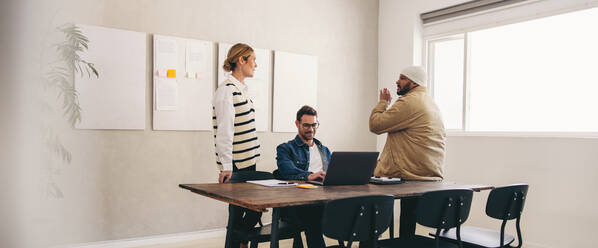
[{"x": 396, "y": 118}]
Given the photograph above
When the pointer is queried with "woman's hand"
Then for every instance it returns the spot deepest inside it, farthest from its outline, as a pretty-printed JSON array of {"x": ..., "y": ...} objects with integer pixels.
[{"x": 224, "y": 176}]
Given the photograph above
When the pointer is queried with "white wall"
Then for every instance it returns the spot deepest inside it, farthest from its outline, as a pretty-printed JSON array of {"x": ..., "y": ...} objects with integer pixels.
[
  {"x": 123, "y": 184},
  {"x": 559, "y": 209}
]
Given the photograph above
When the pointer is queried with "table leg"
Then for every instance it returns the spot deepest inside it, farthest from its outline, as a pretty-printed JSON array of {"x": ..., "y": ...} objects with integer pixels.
[
  {"x": 274, "y": 236},
  {"x": 232, "y": 214}
]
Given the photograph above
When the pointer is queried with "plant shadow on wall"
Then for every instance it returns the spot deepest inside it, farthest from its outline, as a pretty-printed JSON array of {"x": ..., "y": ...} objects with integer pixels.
[{"x": 59, "y": 95}]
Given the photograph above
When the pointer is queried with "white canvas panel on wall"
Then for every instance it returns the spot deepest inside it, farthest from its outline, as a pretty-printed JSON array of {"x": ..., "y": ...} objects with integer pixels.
[
  {"x": 258, "y": 86},
  {"x": 295, "y": 85},
  {"x": 182, "y": 101},
  {"x": 116, "y": 99}
]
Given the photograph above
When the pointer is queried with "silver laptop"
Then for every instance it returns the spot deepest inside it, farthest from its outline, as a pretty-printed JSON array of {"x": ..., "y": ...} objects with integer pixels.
[{"x": 349, "y": 168}]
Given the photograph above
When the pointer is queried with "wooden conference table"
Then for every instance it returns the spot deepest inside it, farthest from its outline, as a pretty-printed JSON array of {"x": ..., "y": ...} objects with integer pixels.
[{"x": 260, "y": 198}]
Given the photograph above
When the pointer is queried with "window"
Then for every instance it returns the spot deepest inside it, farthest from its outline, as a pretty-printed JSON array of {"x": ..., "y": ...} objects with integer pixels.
[
  {"x": 447, "y": 74},
  {"x": 533, "y": 76}
]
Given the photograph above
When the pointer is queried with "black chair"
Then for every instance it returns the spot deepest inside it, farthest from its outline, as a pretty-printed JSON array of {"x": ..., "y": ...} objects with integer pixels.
[
  {"x": 504, "y": 203},
  {"x": 361, "y": 219},
  {"x": 443, "y": 209},
  {"x": 262, "y": 232},
  {"x": 244, "y": 176}
]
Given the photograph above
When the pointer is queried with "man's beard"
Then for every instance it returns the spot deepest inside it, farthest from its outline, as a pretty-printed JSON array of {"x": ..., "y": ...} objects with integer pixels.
[
  {"x": 304, "y": 136},
  {"x": 402, "y": 91}
]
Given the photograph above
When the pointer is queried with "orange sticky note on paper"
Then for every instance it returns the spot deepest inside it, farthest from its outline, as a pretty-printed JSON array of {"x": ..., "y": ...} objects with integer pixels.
[
  {"x": 307, "y": 186},
  {"x": 171, "y": 73}
]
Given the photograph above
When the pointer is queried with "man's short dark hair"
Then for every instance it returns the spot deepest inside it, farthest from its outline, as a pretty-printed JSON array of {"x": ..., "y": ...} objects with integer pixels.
[{"x": 306, "y": 110}]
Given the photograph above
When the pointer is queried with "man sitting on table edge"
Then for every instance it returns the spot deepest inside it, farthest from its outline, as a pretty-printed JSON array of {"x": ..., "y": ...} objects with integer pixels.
[
  {"x": 415, "y": 145},
  {"x": 304, "y": 158}
]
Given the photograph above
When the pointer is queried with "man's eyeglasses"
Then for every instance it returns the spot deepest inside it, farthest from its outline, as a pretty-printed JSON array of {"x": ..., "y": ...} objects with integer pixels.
[{"x": 308, "y": 125}]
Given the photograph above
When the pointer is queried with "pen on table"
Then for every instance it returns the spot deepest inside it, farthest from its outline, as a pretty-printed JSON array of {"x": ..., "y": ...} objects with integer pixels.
[{"x": 285, "y": 183}]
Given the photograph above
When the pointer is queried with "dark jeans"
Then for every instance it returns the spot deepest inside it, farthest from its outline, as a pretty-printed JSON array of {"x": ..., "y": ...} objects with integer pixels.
[
  {"x": 310, "y": 218},
  {"x": 243, "y": 219}
]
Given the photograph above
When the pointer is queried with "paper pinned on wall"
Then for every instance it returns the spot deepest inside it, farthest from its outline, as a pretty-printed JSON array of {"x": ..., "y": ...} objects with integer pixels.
[
  {"x": 194, "y": 75},
  {"x": 162, "y": 73},
  {"x": 262, "y": 59},
  {"x": 256, "y": 94},
  {"x": 171, "y": 73},
  {"x": 115, "y": 100},
  {"x": 166, "y": 51},
  {"x": 166, "y": 94},
  {"x": 194, "y": 59}
]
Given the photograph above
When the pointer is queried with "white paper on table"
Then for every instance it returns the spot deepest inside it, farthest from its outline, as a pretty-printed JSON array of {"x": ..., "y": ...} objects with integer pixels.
[
  {"x": 195, "y": 59},
  {"x": 272, "y": 183},
  {"x": 166, "y": 54},
  {"x": 166, "y": 94}
]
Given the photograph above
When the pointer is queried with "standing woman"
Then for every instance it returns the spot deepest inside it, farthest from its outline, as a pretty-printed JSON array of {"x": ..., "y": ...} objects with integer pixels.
[{"x": 233, "y": 116}]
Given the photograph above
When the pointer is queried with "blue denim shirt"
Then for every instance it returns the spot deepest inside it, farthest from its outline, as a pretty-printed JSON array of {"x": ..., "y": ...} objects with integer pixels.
[{"x": 292, "y": 158}]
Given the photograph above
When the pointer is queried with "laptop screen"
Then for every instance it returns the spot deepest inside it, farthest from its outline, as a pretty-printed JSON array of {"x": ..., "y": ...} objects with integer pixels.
[{"x": 350, "y": 168}]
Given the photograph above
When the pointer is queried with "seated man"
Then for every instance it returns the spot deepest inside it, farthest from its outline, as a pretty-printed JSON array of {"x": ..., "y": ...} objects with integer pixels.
[{"x": 304, "y": 158}]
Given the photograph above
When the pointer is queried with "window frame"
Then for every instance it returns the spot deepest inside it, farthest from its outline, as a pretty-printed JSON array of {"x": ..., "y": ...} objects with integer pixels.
[{"x": 428, "y": 60}]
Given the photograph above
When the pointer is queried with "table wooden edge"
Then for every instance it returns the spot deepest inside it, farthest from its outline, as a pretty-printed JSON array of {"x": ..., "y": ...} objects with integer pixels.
[
  {"x": 264, "y": 207},
  {"x": 224, "y": 199}
]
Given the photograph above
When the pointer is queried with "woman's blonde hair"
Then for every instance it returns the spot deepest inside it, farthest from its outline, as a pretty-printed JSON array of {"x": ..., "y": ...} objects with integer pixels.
[{"x": 238, "y": 50}]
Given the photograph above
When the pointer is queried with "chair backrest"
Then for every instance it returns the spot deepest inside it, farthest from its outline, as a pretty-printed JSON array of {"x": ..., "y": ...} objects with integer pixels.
[
  {"x": 243, "y": 176},
  {"x": 360, "y": 218},
  {"x": 506, "y": 203},
  {"x": 444, "y": 208}
]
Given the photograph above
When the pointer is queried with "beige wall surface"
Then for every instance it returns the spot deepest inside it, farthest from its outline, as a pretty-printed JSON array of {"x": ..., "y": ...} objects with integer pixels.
[
  {"x": 561, "y": 171},
  {"x": 123, "y": 184}
]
